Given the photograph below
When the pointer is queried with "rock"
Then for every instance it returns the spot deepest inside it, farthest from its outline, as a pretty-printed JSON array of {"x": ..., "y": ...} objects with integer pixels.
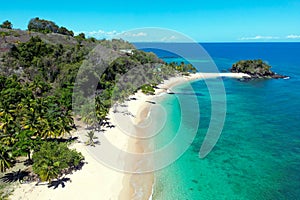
[{"x": 277, "y": 76}]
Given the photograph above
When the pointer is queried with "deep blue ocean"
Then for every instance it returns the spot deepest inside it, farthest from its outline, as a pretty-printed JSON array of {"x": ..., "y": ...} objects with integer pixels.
[{"x": 258, "y": 153}]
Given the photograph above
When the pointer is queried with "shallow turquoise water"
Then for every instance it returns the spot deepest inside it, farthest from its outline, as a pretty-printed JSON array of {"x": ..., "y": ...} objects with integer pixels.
[{"x": 257, "y": 155}]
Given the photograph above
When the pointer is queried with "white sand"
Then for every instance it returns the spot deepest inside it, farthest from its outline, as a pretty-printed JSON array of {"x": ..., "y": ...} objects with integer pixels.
[{"x": 96, "y": 181}]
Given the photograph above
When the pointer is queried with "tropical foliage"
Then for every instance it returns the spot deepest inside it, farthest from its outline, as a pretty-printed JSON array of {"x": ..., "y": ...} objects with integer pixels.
[
  {"x": 37, "y": 79},
  {"x": 147, "y": 89},
  {"x": 47, "y": 62},
  {"x": 91, "y": 139},
  {"x": 6, "y": 24},
  {"x": 5, "y": 158},
  {"x": 252, "y": 67},
  {"x": 27, "y": 116},
  {"x": 53, "y": 159},
  {"x": 122, "y": 77}
]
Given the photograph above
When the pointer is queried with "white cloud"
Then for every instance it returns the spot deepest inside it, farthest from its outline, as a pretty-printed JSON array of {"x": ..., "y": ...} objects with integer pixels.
[
  {"x": 259, "y": 37},
  {"x": 141, "y": 34},
  {"x": 169, "y": 39},
  {"x": 100, "y": 34},
  {"x": 112, "y": 34},
  {"x": 130, "y": 34},
  {"x": 293, "y": 36}
]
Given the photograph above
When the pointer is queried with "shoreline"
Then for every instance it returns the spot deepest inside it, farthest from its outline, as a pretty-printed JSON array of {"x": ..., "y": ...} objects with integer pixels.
[
  {"x": 143, "y": 104},
  {"x": 97, "y": 181},
  {"x": 141, "y": 108}
]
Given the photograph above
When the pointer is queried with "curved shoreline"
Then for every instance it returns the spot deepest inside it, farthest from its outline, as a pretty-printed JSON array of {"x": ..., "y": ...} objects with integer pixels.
[
  {"x": 141, "y": 104},
  {"x": 97, "y": 181}
]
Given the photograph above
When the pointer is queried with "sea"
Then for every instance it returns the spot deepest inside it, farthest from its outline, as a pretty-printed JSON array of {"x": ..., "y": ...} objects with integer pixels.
[{"x": 257, "y": 155}]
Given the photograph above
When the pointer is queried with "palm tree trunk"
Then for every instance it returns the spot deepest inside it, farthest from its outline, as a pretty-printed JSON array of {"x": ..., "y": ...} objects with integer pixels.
[{"x": 28, "y": 154}]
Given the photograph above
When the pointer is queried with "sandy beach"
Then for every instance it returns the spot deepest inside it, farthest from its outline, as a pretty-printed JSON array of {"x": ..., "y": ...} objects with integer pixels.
[{"x": 98, "y": 181}]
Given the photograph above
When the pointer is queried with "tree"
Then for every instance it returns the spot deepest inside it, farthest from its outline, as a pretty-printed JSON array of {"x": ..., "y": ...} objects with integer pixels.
[
  {"x": 81, "y": 35},
  {"x": 148, "y": 89},
  {"x": 6, "y": 160},
  {"x": 25, "y": 143},
  {"x": 6, "y": 24},
  {"x": 64, "y": 31},
  {"x": 28, "y": 116},
  {"x": 91, "y": 137},
  {"x": 53, "y": 159},
  {"x": 255, "y": 68}
]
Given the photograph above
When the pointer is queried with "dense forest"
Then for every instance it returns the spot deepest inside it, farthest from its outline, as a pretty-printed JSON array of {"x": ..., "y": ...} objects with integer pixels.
[{"x": 39, "y": 71}]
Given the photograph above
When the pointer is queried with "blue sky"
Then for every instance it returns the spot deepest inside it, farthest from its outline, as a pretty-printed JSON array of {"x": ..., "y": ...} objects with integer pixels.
[{"x": 204, "y": 21}]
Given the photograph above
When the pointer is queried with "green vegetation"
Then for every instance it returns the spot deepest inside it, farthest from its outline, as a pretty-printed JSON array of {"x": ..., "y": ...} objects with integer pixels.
[
  {"x": 81, "y": 36},
  {"x": 27, "y": 116},
  {"x": 122, "y": 77},
  {"x": 185, "y": 68},
  {"x": 64, "y": 31},
  {"x": 255, "y": 68},
  {"x": 37, "y": 78},
  {"x": 46, "y": 63},
  {"x": 115, "y": 44},
  {"x": 91, "y": 139},
  {"x": 5, "y": 158},
  {"x": 6, "y": 24},
  {"x": 148, "y": 89},
  {"x": 46, "y": 26},
  {"x": 53, "y": 159},
  {"x": 251, "y": 67},
  {"x": 4, "y": 34}
]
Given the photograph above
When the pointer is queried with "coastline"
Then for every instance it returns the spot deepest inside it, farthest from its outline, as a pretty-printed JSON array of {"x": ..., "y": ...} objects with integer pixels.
[
  {"x": 141, "y": 109},
  {"x": 96, "y": 180}
]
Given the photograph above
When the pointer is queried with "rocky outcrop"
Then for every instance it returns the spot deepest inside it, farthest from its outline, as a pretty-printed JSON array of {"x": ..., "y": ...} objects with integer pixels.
[{"x": 256, "y": 69}]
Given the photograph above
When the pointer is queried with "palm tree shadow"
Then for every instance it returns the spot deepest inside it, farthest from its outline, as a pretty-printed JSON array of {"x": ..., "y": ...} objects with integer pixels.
[
  {"x": 28, "y": 162},
  {"x": 62, "y": 181},
  {"x": 62, "y": 140},
  {"x": 14, "y": 176}
]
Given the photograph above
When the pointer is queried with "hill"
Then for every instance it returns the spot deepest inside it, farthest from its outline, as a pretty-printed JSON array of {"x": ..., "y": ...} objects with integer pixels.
[{"x": 44, "y": 69}]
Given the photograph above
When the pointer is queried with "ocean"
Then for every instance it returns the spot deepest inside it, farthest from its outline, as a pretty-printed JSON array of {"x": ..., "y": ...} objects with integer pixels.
[{"x": 258, "y": 153}]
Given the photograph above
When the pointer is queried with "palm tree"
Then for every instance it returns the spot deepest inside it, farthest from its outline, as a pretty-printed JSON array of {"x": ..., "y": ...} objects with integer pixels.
[
  {"x": 25, "y": 143},
  {"x": 30, "y": 119},
  {"x": 91, "y": 137},
  {"x": 47, "y": 162},
  {"x": 101, "y": 110},
  {"x": 66, "y": 122},
  {"x": 88, "y": 114},
  {"x": 6, "y": 160},
  {"x": 5, "y": 122},
  {"x": 54, "y": 159}
]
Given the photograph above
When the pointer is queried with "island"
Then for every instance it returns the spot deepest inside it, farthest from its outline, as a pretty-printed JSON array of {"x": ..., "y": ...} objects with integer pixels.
[{"x": 256, "y": 69}]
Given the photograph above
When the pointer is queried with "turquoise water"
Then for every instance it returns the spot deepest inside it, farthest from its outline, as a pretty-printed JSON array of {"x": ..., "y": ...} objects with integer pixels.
[{"x": 258, "y": 153}]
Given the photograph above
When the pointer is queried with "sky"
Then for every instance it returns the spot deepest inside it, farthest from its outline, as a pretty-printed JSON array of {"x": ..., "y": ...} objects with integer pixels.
[{"x": 203, "y": 21}]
